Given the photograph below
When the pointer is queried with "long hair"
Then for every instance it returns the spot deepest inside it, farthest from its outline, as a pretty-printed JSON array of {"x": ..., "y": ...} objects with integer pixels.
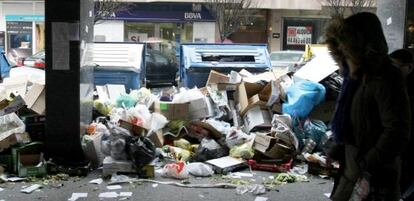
[{"x": 360, "y": 39}]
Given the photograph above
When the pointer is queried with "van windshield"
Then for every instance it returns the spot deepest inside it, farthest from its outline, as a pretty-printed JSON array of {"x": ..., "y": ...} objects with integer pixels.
[{"x": 228, "y": 58}]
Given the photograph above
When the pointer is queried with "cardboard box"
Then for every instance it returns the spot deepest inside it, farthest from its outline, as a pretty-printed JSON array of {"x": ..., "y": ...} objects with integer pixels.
[
  {"x": 28, "y": 160},
  {"x": 201, "y": 108},
  {"x": 157, "y": 138},
  {"x": 271, "y": 146},
  {"x": 257, "y": 118},
  {"x": 244, "y": 93},
  {"x": 35, "y": 98},
  {"x": 7, "y": 142},
  {"x": 110, "y": 166},
  {"x": 172, "y": 111},
  {"x": 222, "y": 81}
]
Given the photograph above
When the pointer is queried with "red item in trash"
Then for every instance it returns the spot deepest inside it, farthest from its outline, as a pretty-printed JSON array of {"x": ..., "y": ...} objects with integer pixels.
[
  {"x": 270, "y": 167},
  {"x": 137, "y": 121}
]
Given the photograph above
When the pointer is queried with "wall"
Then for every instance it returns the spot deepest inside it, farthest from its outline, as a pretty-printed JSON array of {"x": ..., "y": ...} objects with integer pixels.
[
  {"x": 392, "y": 17},
  {"x": 204, "y": 30},
  {"x": 112, "y": 30}
]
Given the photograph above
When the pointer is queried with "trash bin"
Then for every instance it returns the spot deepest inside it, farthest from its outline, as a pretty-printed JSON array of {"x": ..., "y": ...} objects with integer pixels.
[
  {"x": 117, "y": 63},
  {"x": 197, "y": 60},
  {"x": 4, "y": 65}
]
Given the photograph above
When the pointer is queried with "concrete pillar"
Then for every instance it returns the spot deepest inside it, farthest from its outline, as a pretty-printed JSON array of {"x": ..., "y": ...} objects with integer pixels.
[{"x": 69, "y": 26}]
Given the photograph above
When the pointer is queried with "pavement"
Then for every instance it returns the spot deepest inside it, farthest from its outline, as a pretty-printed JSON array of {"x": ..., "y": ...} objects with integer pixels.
[{"x": 313, "y": 190}]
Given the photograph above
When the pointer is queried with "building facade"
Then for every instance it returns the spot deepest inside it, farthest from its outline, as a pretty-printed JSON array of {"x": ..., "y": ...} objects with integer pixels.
[
  {"x": 21, "y": 28},
  {"x": 281, "y": 24}
]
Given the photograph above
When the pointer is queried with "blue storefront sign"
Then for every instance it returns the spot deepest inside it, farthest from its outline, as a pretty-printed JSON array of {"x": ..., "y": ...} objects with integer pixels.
[
  {"x": 163, "y": 12},
  {"x": 25, "y": 18}
]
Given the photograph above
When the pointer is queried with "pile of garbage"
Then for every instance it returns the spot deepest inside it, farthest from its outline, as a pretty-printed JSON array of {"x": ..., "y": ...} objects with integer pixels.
[
  {"x": 237, "y": 121},
  {"x": 22, "y": 127}
]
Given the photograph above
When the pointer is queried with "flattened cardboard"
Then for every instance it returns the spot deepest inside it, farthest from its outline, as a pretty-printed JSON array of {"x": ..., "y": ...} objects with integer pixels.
[
  {"x": 172, "y": 111},
  {"x": 35, "y": 98},
  {"x": 201, "y": 108},
  {"x": 257, "y": 118},
  {"x": 226, "y": 164}
]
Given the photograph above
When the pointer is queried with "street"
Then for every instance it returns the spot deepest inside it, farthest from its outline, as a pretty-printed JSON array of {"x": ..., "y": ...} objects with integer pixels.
[{"x": 307, "y": 191}]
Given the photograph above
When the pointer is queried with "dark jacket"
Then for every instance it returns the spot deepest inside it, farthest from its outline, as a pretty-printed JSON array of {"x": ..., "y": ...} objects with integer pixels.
[{"x": 380, "y": 129}]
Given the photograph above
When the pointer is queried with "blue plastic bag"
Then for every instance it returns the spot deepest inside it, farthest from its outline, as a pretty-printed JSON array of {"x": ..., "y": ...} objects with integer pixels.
[
  {"x": 315, "y": 130},
  {"x": 302, "y": 97}
]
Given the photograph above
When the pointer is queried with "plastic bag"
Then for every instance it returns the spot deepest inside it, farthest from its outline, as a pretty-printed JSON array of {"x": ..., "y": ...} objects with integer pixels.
[
  {"x": 210, "y": 149},
  {"x": 187, "y": 95},
  {"x": 284, "y": 132},
  {"x": 113, "y": 142},
  {"x": 244, "y": 151},
  {"x": 333, "y": 85},
  {"x": 176, "y": 171},
  {"x": 141, "y": 150},
  {"x": 315, "y": 130},
  {"x": 102, "y": 108},
  {"x": 158, "y": 121},
  {"x": 126, "y": 101},
  {"x": 200, "y": 169},
  {"x": 139, "y": 115},
  {"x": 183, "y": 144},
  {"x": 178, "y": 153},
  {"x": 302, "y": 97},
  {"x": 236, "y": 137}
]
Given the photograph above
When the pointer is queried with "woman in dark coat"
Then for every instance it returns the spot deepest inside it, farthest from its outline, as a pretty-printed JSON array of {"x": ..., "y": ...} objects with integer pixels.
[{"x": 372, "y": 121}]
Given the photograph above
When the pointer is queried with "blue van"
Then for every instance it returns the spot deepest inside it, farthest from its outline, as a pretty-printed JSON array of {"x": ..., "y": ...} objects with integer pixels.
[
  {"x": 4, "y": 65},
  {"x": 197, "y": 60}
]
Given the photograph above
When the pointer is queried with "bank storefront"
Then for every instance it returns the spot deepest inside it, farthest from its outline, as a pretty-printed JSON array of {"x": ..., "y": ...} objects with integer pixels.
[{"x": 163, "y": 25}]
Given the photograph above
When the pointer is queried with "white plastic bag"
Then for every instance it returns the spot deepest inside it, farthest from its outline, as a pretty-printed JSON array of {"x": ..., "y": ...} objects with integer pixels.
[
  {"x": 187, "y": 95},
  {"x": 176, "y": 171},
  {"x": 139, "y": 115},
  {"x": 200, "y": 169},
  {"x": 236, "y": 137}
]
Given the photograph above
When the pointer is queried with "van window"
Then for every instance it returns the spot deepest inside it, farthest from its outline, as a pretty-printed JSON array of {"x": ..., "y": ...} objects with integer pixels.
[{"x": 228, "y": 58}]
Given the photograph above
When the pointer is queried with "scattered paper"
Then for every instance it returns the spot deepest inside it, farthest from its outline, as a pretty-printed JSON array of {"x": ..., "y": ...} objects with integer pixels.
[
  {"x": 154, "y": 185},
  {"x": 114, "y": 187},
  {"x": 15, "y": 179},
  {"x": 327, "y": 195},
  {"x": 201, "y": 196},
  {"x": 31, "y": 188},
  {"x": 125, "y": 194},
  {"x": 96, "y": 181},
  {"x": 1, "y": 189},
  {"x": 119, "y": 179},
  {"x": 76, "y": 196},
  {"x": 240, "y": 175},
  {"x": 261, "y": 199},
  {"x": 108, "y": 195}
]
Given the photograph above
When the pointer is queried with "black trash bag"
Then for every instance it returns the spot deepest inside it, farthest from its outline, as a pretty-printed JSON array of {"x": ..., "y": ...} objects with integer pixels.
[
  {"x": 332, "y": 84},
  {"x": 141, "y": 150},
  {"x": 210, "y": 149}
]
